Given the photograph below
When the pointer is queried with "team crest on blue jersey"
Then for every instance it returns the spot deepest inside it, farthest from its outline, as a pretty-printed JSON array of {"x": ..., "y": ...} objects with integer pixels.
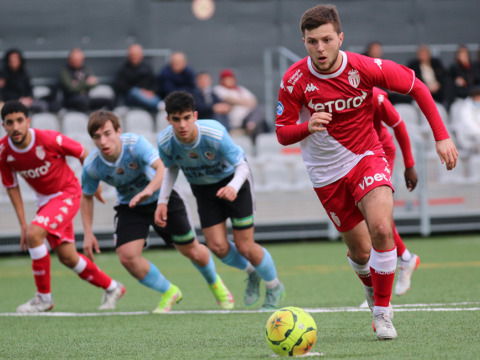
[
  {"x": 354, "y": 78},
  {"x": 193, "y": 155},
  {"x": 210, "y": 155},
  {"x": 132, "y": 165},
  {"x": 120, "y": 171},
  {"x": 280, "y": 108}
]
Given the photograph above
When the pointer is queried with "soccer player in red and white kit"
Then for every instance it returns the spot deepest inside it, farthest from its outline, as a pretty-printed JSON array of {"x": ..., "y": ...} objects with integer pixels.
[
  {"x": 385, "y": 113},
  {"x": 325, "y": 103},
  {"x": 39, "y": 157}
]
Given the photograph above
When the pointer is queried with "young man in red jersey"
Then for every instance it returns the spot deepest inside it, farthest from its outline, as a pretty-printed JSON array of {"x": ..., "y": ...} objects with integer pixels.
[
  {"x": 325, "y": 103},
  {"x": 39, "y": 157},
  {"x": 385, "y": 113}
]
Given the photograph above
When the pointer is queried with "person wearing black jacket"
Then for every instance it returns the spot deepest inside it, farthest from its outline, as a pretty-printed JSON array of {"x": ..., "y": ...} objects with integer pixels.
[
  {"x": 15, "y": 82},
  {"x": 135, "y": 81}
]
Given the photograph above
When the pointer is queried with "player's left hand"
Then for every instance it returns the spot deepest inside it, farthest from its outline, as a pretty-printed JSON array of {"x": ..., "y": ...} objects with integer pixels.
[
  {"x": 411, "y": 178},
  {"x": 447, "y": 152},
  {"x": 140, "y": 197},
  {"x": 227, "y": 193}
]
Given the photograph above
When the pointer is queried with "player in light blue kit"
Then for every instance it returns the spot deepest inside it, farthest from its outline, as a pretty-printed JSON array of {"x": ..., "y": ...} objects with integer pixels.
[
  {"x": 221, "y": 182},
  {"x": 132, "y": 165}
]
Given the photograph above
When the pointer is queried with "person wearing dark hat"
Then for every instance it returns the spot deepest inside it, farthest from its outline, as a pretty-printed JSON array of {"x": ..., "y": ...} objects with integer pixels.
[{"x": 246, "y": 114}]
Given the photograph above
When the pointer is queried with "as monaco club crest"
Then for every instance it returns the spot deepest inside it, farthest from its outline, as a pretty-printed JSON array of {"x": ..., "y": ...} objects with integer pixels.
[
  {"x": 40, "y": 152},
  {"x": 354, "y": 78}
]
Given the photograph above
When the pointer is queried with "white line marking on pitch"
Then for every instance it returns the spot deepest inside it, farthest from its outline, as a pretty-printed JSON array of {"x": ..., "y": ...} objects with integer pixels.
[{"x": 461, "y": 306}]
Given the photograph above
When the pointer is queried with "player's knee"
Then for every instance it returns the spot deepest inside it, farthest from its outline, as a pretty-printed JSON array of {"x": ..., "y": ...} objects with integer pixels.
[
  {"x": 382, "y": 232},
  {"x": 244, "y": 248},
  {"x": 34, "y": 238},
  {"x": 219, "y": 249},
  {"x": 127, "y": 261},
  {"x": 190, "y": 252}
]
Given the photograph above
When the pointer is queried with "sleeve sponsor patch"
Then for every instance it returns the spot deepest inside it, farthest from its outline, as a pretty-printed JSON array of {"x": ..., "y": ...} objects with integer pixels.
[{"x": 280, "y": 108}]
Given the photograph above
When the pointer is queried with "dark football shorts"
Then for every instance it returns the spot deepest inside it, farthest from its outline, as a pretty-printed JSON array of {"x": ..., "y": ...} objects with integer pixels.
[
  {"x": 213, "y": 210},
  {"x": 134, "y": 223}
]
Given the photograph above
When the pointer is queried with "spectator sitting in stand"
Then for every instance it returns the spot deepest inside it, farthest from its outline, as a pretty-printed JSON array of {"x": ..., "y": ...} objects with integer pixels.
[
  {"x": 374, "y": 49},
  {"x": 76, "y": 80},
  {"x": 177, "y": 75},
  {"x": 15, "y": 82},
  {"x": 207, "y": 103},
  {"x": 246, "y": 114},
  {"x": 429, "y": 70},
  {"x": 135, "y": 82},
  {"x": 461, "y": 73}
]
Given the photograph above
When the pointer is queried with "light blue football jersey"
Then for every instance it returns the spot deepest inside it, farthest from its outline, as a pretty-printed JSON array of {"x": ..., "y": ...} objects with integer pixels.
[
  {"x": 130, "y": 174},
  {"x": 211, "y": 158}
]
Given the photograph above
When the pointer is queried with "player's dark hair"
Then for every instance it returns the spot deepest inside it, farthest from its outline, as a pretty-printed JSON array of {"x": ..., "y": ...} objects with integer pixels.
[
  {"x": 178, "y": 102},
  {"x": 13, "y": 106},
  {"x": 320, "y": 15},
  {"x": 99, "y": 118}
]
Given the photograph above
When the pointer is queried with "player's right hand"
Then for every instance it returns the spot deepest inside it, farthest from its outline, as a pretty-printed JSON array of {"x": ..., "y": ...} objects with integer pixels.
[
  {"x": 318, "y": 120},
  {"x": 89, "y": 242},
  {"x": 161, "y": 215}
]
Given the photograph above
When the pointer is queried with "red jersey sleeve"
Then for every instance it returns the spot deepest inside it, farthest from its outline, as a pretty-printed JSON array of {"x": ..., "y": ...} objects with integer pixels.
[
  {"x": 403, "y": 140},
  {"x": 385, "y": 112},
  {"x": 390, "y": 75},
  {"x": 289, "y": 130},
  {"x": 65, "y": 145},
  {"x": 8, "y": 177}
]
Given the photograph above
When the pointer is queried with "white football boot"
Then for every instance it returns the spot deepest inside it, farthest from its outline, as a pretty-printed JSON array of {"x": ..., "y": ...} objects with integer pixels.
[
  {"x": 405, "y": 271},
  {"x": 35, "y": 305}
]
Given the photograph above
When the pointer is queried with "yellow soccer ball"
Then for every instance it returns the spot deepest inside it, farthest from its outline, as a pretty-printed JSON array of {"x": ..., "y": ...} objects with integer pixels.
[{"x": 291, "y": 331}]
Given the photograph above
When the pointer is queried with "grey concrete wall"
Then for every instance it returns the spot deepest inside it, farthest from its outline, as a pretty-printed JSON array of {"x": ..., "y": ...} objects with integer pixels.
[{"x": 234, "y": 37}]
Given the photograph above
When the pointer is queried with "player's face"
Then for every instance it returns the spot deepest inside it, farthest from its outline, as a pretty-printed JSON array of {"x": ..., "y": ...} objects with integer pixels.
[
  {"x": 323, "y": 45},
  {"x": 108, "y": 141},
  {"x": 184, "y": 125},
  {"x": 16, "y": 125}
]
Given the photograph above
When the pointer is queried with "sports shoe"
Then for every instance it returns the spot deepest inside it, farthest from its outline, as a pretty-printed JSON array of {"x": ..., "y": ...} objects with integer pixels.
[
  {"x": 110, "y": 298},
  {"x": 252, "y": 292},
  {"x": 172, "y": 296},
  {"x": 222, "y": 294},
  {"x": 405, "y": 271},
  {"x": 274, "y": 297},
  {"x": 384, "y": 327},
  {"x": 35, "y": 305}
]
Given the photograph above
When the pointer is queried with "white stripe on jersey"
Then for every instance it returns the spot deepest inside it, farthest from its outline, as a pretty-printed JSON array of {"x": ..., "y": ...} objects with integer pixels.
[
  {"x": 130, "y": 139},
  {"x": 91, "y": 157},
  {"x": 164, "y": 137},
  {"x": 216, "y": 134}
]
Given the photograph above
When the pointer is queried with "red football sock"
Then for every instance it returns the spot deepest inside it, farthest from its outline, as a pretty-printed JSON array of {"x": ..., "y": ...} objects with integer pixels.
[
  {"x": 382, "y": 267},
  {"x": 41, "y": 273},
  {"x": 90, "y": 272},
  {"x": 398, "y": 242}
]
